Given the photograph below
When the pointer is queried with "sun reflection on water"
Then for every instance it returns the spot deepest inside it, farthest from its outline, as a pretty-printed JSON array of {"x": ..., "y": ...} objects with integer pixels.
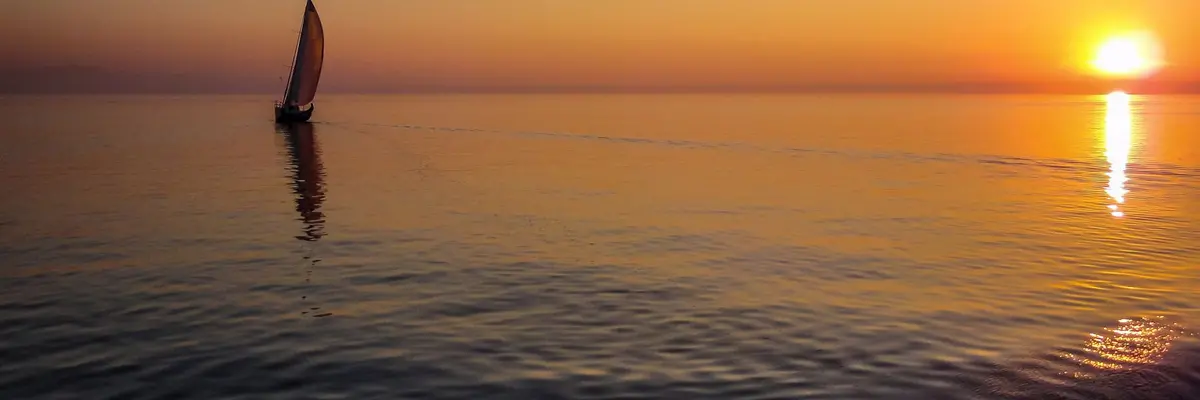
[
  {"x": 1118, "y": 138},
  {"x": 1134, "y": 341}
]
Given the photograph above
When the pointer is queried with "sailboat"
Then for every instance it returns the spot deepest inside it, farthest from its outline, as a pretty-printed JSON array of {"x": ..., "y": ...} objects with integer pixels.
[{"x": 297, "y": 103}]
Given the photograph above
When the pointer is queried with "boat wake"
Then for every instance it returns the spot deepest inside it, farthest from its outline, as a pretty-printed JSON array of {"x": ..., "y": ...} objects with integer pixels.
[{"x": 1143, "y": 169}]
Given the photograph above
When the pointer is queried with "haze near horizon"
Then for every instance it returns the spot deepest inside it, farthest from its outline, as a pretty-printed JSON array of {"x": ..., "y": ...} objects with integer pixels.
[{"x": 482, "y": 45}]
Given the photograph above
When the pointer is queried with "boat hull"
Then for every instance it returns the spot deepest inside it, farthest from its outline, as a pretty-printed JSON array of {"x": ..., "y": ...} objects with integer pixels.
[{"x": 285, "y": 115}]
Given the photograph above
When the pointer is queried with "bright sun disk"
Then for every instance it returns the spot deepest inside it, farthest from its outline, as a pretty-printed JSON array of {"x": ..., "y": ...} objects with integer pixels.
[{"x": 1130, "y": 55}]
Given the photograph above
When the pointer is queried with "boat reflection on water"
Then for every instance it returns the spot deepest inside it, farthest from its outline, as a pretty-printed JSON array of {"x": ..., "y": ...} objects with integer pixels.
[
  {"x": 308, "y": 187},
  {"x": 308, "y": 177}
]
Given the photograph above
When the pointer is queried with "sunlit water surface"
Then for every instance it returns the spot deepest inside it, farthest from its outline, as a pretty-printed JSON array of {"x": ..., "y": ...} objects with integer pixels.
[{"x": 601, "y": 246}]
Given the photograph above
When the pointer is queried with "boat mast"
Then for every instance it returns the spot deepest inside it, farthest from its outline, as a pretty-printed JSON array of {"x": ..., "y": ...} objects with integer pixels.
[{"x": 287, "y": 88}]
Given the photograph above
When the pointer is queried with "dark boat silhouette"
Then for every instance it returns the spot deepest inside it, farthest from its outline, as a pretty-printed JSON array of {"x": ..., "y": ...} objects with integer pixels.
[{"x": 297, "y": 104}]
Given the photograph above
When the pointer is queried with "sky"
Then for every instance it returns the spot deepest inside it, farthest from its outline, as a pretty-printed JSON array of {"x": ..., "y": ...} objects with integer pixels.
[{"x": 484, "y": 45}]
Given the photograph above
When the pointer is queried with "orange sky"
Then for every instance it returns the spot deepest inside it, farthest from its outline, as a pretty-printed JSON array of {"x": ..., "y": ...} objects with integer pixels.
[{"x": 242, "y": 45}]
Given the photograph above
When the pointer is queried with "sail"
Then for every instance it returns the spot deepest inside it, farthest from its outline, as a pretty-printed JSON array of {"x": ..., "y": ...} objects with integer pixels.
[{"x": 310, "y": 54}]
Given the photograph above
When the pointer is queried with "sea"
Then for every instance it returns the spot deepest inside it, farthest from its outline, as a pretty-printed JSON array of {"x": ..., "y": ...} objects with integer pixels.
[{"x": 601, "y": 246}]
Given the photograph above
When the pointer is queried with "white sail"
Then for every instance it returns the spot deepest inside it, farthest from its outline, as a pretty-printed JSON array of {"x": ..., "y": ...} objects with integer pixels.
[{"x": 310, "y": 53}]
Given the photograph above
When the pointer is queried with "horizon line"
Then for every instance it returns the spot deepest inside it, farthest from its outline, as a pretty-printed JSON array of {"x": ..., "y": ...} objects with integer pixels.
[
  {"x": 80, "y": 79},
  {"x": 626, "y": 90}
]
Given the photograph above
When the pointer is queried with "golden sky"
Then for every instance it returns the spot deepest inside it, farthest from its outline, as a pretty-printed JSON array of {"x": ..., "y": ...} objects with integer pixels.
[{"x": 399, "y": 44}]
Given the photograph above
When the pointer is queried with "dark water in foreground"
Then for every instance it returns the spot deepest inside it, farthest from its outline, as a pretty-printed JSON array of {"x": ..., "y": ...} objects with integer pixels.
[{"x": 596, "y": 247}]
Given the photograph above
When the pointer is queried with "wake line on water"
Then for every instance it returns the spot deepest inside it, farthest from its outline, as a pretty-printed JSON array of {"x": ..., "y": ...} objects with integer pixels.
[{"x": 1084, "y": 165}]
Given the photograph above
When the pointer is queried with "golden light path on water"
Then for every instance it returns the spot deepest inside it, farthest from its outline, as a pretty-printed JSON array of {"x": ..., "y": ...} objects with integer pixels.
[
  {"x": 1132, "y": 342},
  {"x": 1118, "y": 137}
]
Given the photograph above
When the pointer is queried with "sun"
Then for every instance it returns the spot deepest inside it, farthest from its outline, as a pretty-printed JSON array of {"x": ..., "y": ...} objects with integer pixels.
[{"x": 1132, "y": 55}]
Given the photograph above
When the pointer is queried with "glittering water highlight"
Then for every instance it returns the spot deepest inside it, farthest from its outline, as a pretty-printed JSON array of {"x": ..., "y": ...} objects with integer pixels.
[{"x": 1118, "y": 138}]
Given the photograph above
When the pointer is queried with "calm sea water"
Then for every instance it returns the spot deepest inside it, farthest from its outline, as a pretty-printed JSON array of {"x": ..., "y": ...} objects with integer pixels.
[{"x": 600, "y": 246}]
